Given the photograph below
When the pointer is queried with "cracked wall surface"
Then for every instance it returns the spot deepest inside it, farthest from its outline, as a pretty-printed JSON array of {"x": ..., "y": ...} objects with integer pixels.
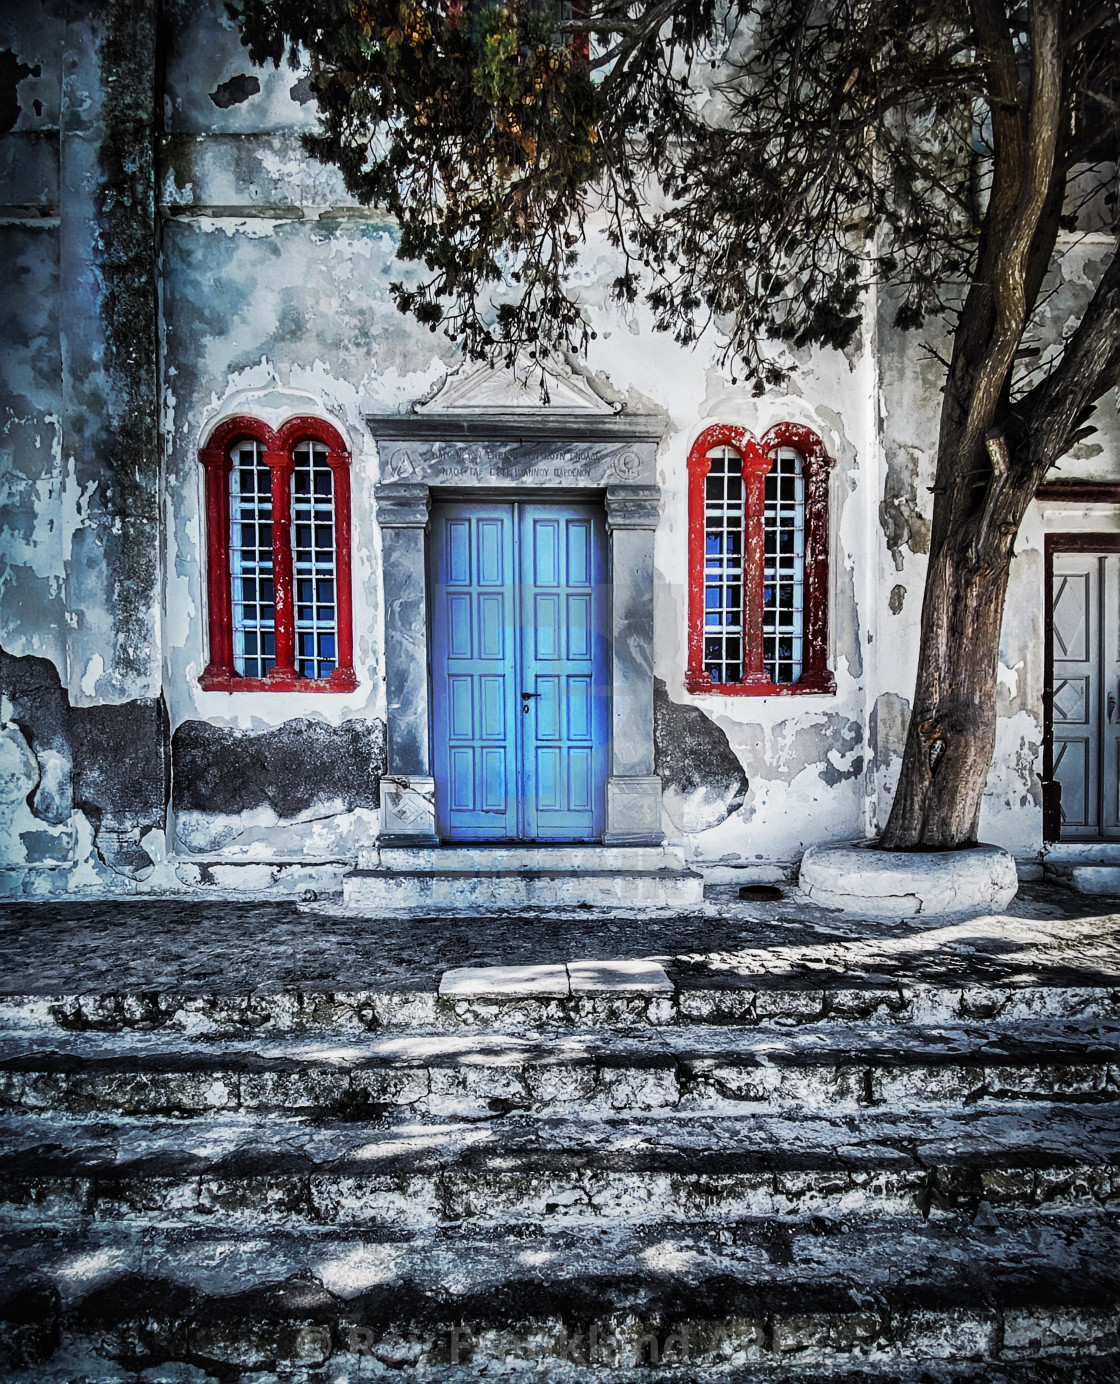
[{"x": 174, "y": 259}]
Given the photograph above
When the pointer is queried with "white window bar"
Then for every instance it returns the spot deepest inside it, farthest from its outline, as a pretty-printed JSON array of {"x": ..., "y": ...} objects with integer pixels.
[
  {"x": 250, "y": 561},
  {"x": 783, "y": 572},
  {"x": 313, "y": 562},
  {"x": 723, "y": 566}
]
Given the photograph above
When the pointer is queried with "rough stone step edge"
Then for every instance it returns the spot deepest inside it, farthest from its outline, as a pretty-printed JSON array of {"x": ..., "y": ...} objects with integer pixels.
[
  {"x": 301, "y": 1011},
  {"x": 397, "y": 891},
  {"x": 484, "y": 859},
  {"x": 776, "y": 1343},
  {"x": 483, "y": 1093},
  {"x": 556, "y": 1067},
  {"x": 322, "y": 1197}
]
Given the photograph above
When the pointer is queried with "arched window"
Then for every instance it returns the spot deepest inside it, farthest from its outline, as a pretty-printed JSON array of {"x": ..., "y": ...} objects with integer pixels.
[
  {"x": 278, "y": 548},
  {"x": 758, "y": 562}
]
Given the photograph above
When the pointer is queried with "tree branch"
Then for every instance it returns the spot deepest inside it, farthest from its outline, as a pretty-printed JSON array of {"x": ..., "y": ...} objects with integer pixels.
[
  {"x": 1024, "y": 170},
  {"x": 1089, "y": 366}
]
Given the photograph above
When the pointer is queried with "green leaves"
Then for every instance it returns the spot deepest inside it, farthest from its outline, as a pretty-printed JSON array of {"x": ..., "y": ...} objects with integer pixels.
[{"x": 754, "y": 164}]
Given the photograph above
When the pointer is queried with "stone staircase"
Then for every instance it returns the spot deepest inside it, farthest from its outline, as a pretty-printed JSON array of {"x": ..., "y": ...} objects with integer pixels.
[
  {"x": 576, "y": 1172},
  {"x": 517, "y": 877}
]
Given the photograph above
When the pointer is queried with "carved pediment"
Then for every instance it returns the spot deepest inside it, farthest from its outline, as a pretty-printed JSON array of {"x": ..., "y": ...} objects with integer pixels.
[
  {"x": 495, "y": 390},
  {"x": 491, "y": 405}
]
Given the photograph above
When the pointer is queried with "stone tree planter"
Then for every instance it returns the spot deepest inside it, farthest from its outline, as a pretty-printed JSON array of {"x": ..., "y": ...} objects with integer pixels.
[{"x": 906, "y": 884}]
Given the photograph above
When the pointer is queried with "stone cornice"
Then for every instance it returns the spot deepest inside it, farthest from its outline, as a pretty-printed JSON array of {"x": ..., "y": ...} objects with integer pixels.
[{"x": 544, "y": 425}]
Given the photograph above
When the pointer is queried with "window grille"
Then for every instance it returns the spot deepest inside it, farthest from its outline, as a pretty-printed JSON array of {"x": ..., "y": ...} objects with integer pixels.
[
  {"x": 783, "y": 569},
  {"x": 251, "y": 576},
  {"x": 279, "y": 603},
  {"x": 313, "y": 549},
  {"x": 723, "y": 566}
]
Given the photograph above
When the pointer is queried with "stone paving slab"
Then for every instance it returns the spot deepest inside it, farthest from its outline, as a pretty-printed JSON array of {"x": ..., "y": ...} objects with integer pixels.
[
  {"x": 577, "y": 978},
  {"x": 621, "y": 977},
  {"x": 1049, "y": 936},
  {"x": 469, "y": 982}
]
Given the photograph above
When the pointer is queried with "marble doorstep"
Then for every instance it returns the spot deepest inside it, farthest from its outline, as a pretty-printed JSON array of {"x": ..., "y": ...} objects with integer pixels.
[{"x": 575, "y": 978}]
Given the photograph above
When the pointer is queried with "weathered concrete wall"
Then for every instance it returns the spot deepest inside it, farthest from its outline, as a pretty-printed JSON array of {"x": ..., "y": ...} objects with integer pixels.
[
  {"x": 126, "y": 166},
  {"x": 702, "y": 781},
  {"x": 37, "y": 505},
  {"x": 80, "y": 587},
  {"x": 230, "y": 783},
  {"x": 275, "y": 303},
  {"x": 80, "y": 786}
]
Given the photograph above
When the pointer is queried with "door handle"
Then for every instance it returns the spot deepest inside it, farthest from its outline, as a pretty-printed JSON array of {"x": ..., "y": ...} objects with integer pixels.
[
  {"x": 1111, "y": 704},
  {"x": 527, "y": 695}
]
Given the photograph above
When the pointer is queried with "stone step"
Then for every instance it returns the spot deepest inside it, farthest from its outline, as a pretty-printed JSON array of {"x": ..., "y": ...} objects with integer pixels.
[
  {"x": 1062, "y": 853},
  {"x": 409, "y": 890},
  {"x": 1096, "y": 879},
  {"x": 836, "y": 1001},
  {"x": 515, "y": 1170},
  {"x": 745, "y": 1301},
  {"x": 475, "y": 1075},
  {"x": 486, "y": 859}
]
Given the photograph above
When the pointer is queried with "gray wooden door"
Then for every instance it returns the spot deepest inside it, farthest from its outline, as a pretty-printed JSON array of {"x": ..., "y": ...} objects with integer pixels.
[{"x": 1085, "y": 692}]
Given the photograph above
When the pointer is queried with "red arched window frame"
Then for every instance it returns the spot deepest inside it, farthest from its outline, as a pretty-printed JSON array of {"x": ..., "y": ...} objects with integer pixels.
[
  {"x": 279, "y": 456},
  {"x": 758, "y": 458}
]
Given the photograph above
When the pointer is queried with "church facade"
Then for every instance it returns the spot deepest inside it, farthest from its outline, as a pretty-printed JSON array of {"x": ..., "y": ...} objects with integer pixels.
[{"x": 287, "y": 583}]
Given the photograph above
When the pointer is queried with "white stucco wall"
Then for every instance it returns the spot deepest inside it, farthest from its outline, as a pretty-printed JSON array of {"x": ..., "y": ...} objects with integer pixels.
[{"x": 275, "y": 301}]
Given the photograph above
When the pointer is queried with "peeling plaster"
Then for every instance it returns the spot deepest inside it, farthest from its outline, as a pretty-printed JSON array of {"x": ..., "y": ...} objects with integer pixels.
[
  {"x": 235, "y": 90},
  {"x": 902, "y": 522},
  {"x": 702, "y": 780},
  {"x": 228, "y": 783},
  {"x": 275, "y": 300}
]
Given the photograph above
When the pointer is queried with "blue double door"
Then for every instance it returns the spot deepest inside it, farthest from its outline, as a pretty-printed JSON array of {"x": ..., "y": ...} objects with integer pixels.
[{"x": 519, "y": 670}]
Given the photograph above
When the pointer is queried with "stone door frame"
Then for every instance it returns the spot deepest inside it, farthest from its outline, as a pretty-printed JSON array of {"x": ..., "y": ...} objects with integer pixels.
[{"x": 546, "y": 451}]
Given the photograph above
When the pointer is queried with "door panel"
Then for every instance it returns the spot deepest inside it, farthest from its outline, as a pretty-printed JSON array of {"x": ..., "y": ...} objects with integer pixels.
[
  {"x": 1085, "y": 691},
  {"x": 1110, "y": 695},
  {"x": 565, "y": 669},
  {"x": 519, "y": 671},
  {"x": 473, "y": 684}
]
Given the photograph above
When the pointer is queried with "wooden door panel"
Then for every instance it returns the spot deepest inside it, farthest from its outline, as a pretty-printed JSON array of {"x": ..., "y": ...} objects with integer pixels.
[
  {"x": 519, "y": 606},
  {"x": 1084, "y": 690},
  {"x": 565, "y": 668},
  {"x": 1110, "y": 695},
  {"x": 474, "y": 679}
]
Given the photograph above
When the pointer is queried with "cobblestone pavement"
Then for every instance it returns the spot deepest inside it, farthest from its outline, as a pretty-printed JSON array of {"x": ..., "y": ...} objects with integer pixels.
[{"x": 1049, "y": 936}]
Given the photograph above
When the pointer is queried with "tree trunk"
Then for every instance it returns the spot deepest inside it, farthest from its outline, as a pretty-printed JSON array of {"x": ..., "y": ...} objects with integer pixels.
[
  {"x": 982, "y": 490},
  {"x": 952, "y": 730}
]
